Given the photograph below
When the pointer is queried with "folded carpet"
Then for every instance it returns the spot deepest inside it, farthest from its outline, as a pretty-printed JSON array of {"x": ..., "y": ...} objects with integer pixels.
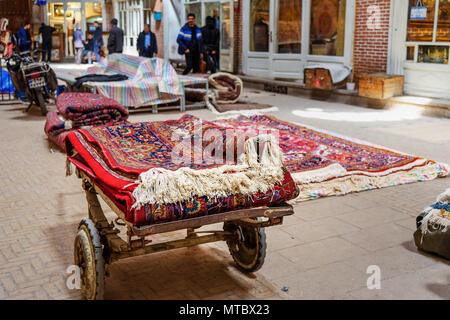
[
  {"x": 88, "y": 109},
  {"x": 148, "y": 187},
  {"x": 77, "y": 109}
]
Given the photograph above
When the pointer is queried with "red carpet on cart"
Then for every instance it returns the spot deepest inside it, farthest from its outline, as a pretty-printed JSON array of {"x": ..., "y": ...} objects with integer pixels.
[{"x": 321, "y": 164}]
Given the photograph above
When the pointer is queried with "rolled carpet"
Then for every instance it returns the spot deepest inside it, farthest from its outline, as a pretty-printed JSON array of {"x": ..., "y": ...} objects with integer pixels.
[{"x": 78, "y": 110}]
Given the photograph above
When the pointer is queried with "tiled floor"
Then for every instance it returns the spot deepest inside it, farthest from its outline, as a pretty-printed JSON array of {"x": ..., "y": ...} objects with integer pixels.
[{"x": 323, "y": 251}]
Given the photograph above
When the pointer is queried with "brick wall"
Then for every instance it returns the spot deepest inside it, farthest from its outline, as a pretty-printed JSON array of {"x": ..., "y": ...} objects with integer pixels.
[
  {"x": 371, "y": 39},
  {"x": 237, "y": 34}
]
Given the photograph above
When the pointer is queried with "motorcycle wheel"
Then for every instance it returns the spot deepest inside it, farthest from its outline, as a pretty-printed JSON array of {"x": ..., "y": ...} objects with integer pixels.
[{"x": 40, "y": 101}]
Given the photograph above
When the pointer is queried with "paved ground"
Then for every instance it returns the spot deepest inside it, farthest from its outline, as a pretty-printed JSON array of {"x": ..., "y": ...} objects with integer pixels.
[{"x": 323, "y": 251}]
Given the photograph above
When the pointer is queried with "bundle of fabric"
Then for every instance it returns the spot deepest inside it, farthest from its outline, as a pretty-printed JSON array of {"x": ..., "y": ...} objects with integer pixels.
[
  {"x": 76, "y": 110},
  {"x": 136, "y": 167},
  {"x": 225, "y": 96},
  {"x": 227, "y": 87},
  {"x": 433, "y": 227}
]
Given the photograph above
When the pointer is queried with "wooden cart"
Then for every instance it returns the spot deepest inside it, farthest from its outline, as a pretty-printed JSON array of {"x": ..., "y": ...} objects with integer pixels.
[{"x": 97, "y": 244}]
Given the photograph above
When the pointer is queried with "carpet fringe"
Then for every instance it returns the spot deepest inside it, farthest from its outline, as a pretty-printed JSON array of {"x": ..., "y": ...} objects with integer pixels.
[
  {"x": 249, "y": 176},
  {"x": 332, "y": 171},
  {"x": 358, "y": 182}
]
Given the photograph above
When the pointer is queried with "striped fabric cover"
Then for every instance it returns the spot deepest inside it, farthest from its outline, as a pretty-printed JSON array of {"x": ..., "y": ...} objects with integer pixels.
[{"x": 151, "y": 81}]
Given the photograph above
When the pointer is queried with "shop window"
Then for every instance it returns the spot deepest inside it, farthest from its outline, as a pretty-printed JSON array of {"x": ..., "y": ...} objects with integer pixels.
[
  {"x": 259, "y": 25},
  {"x": 420, "y": 28},
  {"x": 289, "y": 31},
  {"x": 443, "y": 26},
  {"x": 433, "y": 54},
  {"x": 327, "y": 29},
  {"x": 225, "y": 21},
  {"x": 56, "y": 16}
]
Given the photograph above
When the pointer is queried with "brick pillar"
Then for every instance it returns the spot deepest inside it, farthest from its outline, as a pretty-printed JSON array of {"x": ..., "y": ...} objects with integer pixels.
[
  {"x": 371, "y": 36},
  {"x": 237, "y": 35}
]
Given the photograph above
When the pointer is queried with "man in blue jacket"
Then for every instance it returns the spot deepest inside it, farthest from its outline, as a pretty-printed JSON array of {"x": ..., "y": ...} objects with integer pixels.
[
  {"x": 24, "y": 38},
  {"x": 190, "y": 44}
]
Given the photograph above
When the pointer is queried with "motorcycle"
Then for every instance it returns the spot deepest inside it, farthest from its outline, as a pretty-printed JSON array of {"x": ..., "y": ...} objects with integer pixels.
[{"x": 36, "y": 78}]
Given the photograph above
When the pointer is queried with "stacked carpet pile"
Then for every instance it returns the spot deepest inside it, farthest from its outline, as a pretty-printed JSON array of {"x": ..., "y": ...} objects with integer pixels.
[
  {"x": 77, "y": 110},
  {"x": 132, "y": 164}
]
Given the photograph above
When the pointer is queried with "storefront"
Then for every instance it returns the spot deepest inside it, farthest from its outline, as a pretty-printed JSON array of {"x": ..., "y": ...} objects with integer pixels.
[
  {"x": 420, "y": 46},
  {"x": 281, "y": 36},
  {"x": 63, "y": 15},
  {"x": 204, "y": 8},
  {"x": 133, "y": 15}
]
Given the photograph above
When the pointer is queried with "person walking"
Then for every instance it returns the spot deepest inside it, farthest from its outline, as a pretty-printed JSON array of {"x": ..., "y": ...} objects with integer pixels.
[
  {"x": 88, "y": 47},
  {"x": 146, "y": 43},
  {"x": 24, "y": 38},
  {"x": 190, "y": 44},
  {"x": 217, "y": 21},
  {"x": 46, "y": 32},
  {"x": 98, "y": 40},
  {"x": 210, "y": 37},
  {"x": 78, "y": 39},
  {"x": 115, "y": 40}
]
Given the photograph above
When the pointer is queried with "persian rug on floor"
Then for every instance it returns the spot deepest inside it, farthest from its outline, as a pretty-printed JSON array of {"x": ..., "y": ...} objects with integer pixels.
[{"x": 323, "y": 164}]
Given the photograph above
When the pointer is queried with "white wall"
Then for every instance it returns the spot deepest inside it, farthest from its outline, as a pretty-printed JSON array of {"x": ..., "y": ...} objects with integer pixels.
[{"x": 173, "y": 15}]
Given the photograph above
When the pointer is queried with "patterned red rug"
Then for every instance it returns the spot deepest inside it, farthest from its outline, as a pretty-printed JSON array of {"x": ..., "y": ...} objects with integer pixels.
[{"x": 323, "y": 164}]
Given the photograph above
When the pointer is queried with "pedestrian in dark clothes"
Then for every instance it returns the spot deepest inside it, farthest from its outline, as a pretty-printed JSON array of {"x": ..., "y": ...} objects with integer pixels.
[
  {"x": 98, "y": 40},
  {"x": 88, "y": 48},
  {"x": 46, "y": 33},
  {"x": 115, "y": 40},
  {"x": 210, "y": 37},
  {"x": 24, "y": 38},
  {"x": 190, "y": 44},
  {"x": 146, "y": 43}
]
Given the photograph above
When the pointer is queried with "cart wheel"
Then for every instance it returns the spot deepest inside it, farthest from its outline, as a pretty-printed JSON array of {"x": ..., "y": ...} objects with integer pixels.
[
  {"x": 88, "y": 254},
  {"x": 249, "y": 248}
]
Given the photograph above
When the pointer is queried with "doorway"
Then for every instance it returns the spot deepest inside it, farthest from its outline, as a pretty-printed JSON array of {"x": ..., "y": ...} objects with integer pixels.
[
  {"x": 204, "y": 8},
  {"x": 63, "y": 16},
  {"x": 281, "y": 36}
]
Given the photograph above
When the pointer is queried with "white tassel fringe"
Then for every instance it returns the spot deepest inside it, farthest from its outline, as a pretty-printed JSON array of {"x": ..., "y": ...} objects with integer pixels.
[{"x": 249, "y": 176}]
